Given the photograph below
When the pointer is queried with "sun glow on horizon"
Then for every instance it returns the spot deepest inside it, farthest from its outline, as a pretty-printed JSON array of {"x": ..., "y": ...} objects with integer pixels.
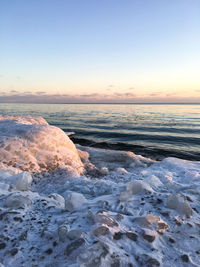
[{"x": 101, "y": 51}]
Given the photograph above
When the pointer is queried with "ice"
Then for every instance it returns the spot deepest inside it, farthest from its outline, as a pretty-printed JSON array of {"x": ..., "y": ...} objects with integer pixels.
[
  {"x": 60, "y": 201},
  {"x": 17, "y": 201},
  {"x": 62, "y": 232},
  {"x": 92, "y": 207},
  {"x": 21, "y": 181},
  {"x": 138, "y": 187},
  {"x": 178, "y": 203},
  {"x": 104, "y": 219},
  {"x": 74, "y": 234},
  {"x": 133, "y": 188},
  {"x": 4, "y": 187},
  {"x": 74, "y": 201},
  {"x": 30, "y": 144}
]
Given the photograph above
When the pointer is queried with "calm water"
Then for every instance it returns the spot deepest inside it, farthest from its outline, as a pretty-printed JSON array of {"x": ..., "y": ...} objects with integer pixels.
[{"x": 155, "y": 131}]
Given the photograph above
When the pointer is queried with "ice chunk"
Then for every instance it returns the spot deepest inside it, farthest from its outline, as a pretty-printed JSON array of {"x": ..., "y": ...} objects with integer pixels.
[
  {"x": 16, "y": 201},
  {"x": 152, "y": 221},
  {"x": 4, "y": 187},
  {"x": 21, "y": 181},
  {"x": 125, "y": 196},
  {"x": 104, "y": 171},
  {"x": 176, "y": 202},
  {"x": 30, "y": 144},
  {"x": 133, "y": 188},
  {"x": 74, "y": 201},
  {"x": 154, "y": 181},
  {"x": 138, "y": 187},
  {"x": 5, "y": 174},
  {"x": 62, "y": 232},
  {"x": 58, "y": 198},
  {"x": 121, "y": 171}
]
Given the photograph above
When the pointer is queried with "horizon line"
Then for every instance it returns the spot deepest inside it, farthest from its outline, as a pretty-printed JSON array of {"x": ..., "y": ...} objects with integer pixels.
[{"x": 109, "y": 103}]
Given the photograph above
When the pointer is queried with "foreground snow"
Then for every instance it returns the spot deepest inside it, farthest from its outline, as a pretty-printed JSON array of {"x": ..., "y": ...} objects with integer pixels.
[{"x": 121, "y": 209}]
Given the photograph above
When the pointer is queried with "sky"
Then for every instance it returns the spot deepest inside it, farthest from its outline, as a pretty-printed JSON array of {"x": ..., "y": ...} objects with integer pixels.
[{"x": 100, "y": 51}]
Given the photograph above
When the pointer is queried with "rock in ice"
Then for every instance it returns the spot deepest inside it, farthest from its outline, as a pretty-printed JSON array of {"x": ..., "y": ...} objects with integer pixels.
[{"x": 105, "y": 219}]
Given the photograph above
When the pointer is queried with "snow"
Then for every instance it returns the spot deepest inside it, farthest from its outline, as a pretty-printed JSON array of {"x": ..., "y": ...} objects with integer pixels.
[
  {"x": 30, "y": 144},
  {"x": 96, "y": 207}
]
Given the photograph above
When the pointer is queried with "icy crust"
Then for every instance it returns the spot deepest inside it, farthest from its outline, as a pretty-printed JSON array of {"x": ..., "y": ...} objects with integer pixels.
[
  {"x": 30, "y": 144},
  {"x": 126, "y": 210},
  {"x": 62, "y": 220}
]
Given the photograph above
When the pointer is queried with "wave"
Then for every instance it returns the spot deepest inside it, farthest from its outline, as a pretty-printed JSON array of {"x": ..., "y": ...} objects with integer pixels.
[{"x": 153, "y": 152}]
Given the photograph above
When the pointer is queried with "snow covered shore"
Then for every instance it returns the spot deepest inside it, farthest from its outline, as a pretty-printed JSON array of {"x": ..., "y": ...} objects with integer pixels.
[{"x": 66, "y": 205}]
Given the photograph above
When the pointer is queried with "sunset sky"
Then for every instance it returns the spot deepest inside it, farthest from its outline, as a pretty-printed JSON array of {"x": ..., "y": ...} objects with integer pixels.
[{"x": 66, "y": 51}]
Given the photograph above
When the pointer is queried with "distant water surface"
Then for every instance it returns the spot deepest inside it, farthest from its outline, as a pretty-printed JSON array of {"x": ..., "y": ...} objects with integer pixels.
[{"x": 156, "y": 130}]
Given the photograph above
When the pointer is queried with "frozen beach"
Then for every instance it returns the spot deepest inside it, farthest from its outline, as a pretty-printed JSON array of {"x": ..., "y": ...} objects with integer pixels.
[{"x": 63, "y": 204}]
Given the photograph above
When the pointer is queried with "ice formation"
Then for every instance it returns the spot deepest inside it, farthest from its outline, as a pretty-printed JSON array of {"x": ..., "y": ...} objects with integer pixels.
[
  {"x": 30, "y": 144},
  {"x": 124, "y": 210}
]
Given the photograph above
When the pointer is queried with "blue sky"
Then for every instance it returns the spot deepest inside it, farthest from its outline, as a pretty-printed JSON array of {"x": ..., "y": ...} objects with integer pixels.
[{"x": 100, "y": 50}]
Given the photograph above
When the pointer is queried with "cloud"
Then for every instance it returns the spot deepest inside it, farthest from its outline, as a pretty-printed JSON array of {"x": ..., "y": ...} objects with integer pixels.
[
  {"x": 170, "y": 94},
  {"x": 155, "y": 94},
  {"x": 14, "y": 92},
  {"x": 116, "y": 97},
  {"x": 41, "y": 93}
]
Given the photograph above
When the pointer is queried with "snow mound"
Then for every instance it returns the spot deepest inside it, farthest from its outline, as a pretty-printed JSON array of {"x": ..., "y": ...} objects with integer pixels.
[{"x": 30, "y": 144}]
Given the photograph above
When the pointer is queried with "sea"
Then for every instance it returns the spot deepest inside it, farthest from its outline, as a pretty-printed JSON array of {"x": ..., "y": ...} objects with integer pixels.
[{"x": 151, "y": 130}]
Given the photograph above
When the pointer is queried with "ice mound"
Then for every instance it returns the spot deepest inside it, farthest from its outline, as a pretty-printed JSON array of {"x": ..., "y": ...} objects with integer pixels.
[{"x": 30, "y": 144}]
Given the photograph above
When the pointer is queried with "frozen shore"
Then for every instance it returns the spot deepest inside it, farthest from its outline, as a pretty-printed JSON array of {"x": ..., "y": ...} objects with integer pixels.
[{"x": 66, "y": 205}]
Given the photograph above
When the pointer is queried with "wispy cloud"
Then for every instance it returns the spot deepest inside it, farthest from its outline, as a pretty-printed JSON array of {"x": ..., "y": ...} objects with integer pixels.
[
  {"x": 41, "y": 93},
  {"x": 155, "y": 94},
  {"x": 115, "y": 97},
  {"x": 14, "y": 92}
]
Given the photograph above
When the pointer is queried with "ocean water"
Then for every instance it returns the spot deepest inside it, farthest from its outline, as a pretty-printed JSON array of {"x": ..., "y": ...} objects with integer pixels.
[{"x": 152, "y": 130}]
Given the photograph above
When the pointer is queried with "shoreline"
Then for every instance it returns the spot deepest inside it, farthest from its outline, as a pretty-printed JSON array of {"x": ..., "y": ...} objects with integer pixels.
[{"x": 63, "y": 204}]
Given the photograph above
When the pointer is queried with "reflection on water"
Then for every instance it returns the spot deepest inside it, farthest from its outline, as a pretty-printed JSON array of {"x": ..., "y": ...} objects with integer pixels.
[{"x": 150, "y": 130}]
